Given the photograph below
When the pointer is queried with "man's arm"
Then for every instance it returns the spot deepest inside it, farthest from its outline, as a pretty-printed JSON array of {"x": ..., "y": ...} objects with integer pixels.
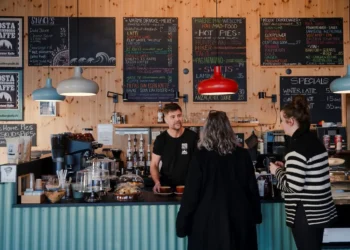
[{"x": 155, "y": 172}]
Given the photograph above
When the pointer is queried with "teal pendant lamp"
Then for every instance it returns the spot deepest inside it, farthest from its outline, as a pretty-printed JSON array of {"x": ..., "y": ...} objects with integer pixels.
[
  {"x": 341, "y": 85},
  {"x": 47, "y": 93}
]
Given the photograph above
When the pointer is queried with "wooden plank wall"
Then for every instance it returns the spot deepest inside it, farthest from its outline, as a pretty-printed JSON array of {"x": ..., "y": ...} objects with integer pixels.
[{"x": 79, "y": 112}]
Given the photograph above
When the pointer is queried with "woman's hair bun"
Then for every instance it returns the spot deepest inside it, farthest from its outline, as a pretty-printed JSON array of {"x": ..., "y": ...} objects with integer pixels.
[{"x": 300, "y": 102}]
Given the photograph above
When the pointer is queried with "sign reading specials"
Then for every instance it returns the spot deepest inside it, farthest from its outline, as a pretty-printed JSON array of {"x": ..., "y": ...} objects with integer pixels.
[
  {"x": 11, "y": 42},
  {"x": 11, "y": 95}
]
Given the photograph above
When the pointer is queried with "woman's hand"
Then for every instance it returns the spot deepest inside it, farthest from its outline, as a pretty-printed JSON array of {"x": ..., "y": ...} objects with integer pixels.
[
  {"x": 279, "y": 163},
  {"x": 274, "y": 167}
]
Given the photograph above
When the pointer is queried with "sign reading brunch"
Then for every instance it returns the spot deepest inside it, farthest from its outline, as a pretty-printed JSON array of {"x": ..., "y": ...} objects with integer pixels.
[
  {"x": 11, "y": 42},
  {"x": 11, "y": 95}
]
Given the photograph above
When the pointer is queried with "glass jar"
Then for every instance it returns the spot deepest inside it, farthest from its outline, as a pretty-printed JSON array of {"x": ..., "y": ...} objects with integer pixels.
[{"x": 93, "y": 179}]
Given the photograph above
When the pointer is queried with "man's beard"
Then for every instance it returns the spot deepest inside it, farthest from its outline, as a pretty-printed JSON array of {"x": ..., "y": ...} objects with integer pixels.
[{"x": 177, "y": 126}]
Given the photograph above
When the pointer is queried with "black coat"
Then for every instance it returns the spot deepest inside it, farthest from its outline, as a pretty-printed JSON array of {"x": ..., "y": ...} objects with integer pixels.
[{"x": 221, "y": 205}]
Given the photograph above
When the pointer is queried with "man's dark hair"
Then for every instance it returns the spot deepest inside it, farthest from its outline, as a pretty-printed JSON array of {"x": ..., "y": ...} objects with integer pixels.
[{"x": 171, "y": 107}]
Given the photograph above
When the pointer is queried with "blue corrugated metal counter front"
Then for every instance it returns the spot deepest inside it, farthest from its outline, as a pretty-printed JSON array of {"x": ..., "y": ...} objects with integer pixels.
[{"x": 146, "y": 227}]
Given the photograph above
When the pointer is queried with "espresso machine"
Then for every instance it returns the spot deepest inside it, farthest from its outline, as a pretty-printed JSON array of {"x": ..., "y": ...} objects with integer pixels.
[
  {"x": 72, "y": 151},
  {"x": 275, "y": 142}
]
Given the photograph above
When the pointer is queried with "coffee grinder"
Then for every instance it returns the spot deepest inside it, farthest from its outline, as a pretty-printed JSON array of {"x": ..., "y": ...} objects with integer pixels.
[
  {"x": 118, "y": 161},
  {"x": 58, "y": 150}
]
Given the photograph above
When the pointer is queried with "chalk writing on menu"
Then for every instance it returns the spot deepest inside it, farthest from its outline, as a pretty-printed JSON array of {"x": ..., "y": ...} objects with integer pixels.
[
  {"x": 219, "y": 41},
  {"x": 71, "y": 41},
  {"x": 48, "y": 42},
  {"x": 301, "y": 41},
  {"x": 15, "y": 130},
  {"x": 324, "y": 105},
  {"x": 150, "y": 59}
]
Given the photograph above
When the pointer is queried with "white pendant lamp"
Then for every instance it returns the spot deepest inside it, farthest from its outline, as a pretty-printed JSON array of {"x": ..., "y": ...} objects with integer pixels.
[{"x": 77, "y": 85}]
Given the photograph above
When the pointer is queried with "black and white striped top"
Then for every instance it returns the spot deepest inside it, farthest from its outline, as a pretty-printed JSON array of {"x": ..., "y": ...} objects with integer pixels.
[{"x": 306, "y": 179}]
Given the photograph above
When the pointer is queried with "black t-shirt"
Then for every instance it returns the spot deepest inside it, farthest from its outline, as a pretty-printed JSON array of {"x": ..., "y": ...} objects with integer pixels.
[{"x": 176, "y": 154}]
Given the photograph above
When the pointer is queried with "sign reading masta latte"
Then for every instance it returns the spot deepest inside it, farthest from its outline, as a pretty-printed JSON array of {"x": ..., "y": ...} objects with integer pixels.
[
  {"x": 11, "y": 42},
  {"x": 11, "y": 95}
]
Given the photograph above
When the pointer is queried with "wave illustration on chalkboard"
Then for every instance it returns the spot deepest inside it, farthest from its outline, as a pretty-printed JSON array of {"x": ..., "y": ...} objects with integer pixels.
[
  {"x": 6, "y": 96},
  {"x": 61, "y": 58},
  {"x": 101, "y": 58},
  {"x": 5, "y": 44}
]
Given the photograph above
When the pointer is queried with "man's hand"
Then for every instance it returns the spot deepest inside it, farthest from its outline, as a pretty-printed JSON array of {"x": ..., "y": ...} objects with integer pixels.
[{"x": 156, "y": 187}]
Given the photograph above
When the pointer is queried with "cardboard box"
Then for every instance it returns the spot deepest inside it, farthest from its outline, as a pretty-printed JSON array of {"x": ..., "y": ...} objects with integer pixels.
[{"x": 33, "y": 199}]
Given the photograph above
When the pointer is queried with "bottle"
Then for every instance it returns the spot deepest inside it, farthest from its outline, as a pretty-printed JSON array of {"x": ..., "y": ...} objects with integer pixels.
[
  {"x": 264, "y": 185},
  {"x": 338, "y": 141},
  {"x": 129, "y": 164},
  {"x": 261, "y": 146},
  {"x": 148, "y": 162},
  {"x": 135, "y": 159},
  {"x": 160, "y": 115},
  {"x": 326, "y": 140},
  {"x": 129, "y": 142},
  {"x": 135, "y": 141},
  {"x": 141, "y": 155},
  {"x": 128, "y": 151}
]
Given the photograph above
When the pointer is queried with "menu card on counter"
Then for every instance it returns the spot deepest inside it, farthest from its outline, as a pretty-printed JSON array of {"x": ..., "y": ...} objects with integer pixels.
[
  {"x": 301, "y": 41},
  {"x": 150, "y": 59},
  {"x": 70, "y": 41},
  {"x": 219, "y": 41},
  {"x": 324, "y": 105}
]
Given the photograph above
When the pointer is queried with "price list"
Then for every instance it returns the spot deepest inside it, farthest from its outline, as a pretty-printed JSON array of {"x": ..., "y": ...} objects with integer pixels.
[
  {"x": 222, "y": 42},
  {"x": 150, "y": 59},
  {"x": 301, "y": 41}
]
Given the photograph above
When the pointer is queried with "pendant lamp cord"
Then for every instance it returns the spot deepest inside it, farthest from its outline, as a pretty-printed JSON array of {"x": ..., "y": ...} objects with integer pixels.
[
  {"x": 77, "y": 32},
  {"x": 217, "y": 34},
  {"x": 49, "y": 42}
]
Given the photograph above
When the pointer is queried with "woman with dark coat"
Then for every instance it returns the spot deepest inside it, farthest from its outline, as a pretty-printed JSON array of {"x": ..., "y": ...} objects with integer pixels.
[{"x": 220, "y": 206}]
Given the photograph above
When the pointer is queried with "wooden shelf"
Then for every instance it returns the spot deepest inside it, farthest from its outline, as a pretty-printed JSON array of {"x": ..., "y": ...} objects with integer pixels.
[{"x": 164, "y": 125}]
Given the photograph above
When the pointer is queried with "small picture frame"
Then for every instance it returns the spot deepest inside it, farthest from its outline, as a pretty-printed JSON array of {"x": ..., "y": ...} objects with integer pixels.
[
  {"x": 47, "y": 109},
  {"x": 8, "y": 173}
]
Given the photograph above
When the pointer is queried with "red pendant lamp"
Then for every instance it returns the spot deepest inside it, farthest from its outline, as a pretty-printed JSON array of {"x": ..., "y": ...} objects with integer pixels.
[{"x": 217, "y": 84}]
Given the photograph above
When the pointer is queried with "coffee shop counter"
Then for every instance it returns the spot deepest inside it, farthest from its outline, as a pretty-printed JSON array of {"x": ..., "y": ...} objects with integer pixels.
[
  {"x": 146, "y": 198},
  {"x": 148, "y": 224}
]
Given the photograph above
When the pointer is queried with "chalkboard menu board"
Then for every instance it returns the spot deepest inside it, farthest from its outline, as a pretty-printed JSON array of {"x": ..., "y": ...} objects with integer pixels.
[
  {"x": 301, "y": 41},
  {"x": 219, "y": 41},
  {"x": 70, "y": 41},
  {"x": 15, "y": 130},
  {"x": 324, "y": 105},
  {"x": 150, "y": 59}
]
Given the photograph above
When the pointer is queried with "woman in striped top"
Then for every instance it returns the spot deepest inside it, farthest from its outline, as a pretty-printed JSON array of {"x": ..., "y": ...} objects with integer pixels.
[{"x": 304, "y": 178}]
